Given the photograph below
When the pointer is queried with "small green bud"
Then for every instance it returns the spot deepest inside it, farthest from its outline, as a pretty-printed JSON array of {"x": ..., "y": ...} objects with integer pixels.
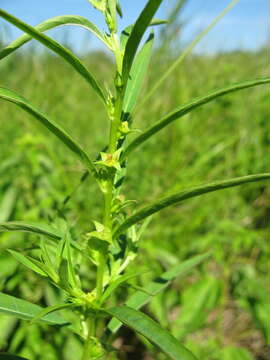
[
  {"x": 110, "y": 106},
  {"x": 124, "y": 128},
  {"x": 101, "y": 233},
  {"x": 118, "y": 81},
  {"x": 110, "y": 15}
]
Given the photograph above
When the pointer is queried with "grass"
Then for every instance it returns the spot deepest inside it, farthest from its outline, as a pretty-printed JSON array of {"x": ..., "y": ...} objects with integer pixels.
[{"x": 226, "y": 138}]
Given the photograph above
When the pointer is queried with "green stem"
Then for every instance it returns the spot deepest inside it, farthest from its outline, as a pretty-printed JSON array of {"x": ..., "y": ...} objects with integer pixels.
[
  {"x": 116, "y": 122},
  {"x": 108, "y": 196},
  {"x": 89, "y": 342}
]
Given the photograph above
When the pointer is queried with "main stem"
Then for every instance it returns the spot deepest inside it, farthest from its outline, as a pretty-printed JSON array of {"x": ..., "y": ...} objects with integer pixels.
[
  {"x": 113, "y": 141},
  {"x": 108, "y": 194},
  {"x": 89, "y": 342}
]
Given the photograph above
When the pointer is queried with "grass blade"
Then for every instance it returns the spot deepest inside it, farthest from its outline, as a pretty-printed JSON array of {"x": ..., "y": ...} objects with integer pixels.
[
  {"x": 39, "y": 229},
  {"x": 25, "y": 310},
  {"x": 60, "y": 133},
  {"x": 136, "y": 35},
  {"x": 51, "y": 24},
  {"x": 137, "y": 74},
  {"x": 53, "y": 45},
  {"x": 141, "y": 298},
  {"x": 184, "y": 195},
  {"x": 147, "y": 327},
  {"x": 187, "y": 108},
  {"x": 189, "y": 49}
]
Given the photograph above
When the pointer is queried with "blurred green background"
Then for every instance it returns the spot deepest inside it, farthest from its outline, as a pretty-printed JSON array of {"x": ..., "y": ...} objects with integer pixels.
[{"x": 221, "y": 311}]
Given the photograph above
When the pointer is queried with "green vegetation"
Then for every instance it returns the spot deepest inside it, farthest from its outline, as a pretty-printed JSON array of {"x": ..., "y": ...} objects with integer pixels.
[{"x": 80, "y": 253}]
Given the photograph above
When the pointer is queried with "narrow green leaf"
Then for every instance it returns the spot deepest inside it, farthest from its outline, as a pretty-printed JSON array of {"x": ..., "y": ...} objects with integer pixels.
[
  {"x": 39, "y": 229},
  {"x": 55, "y": 129},
  {"x": 111, "y": 9},
  {"x": 187, "y": 108},
  {"x": 184, "y": 195},
  {"x": 137, "y": 74},
  {"x": 147, "y": 327},
  {"x": 156, "y": 22},
  {"x": 141, "y": 298},
  {"x": 116, "y": 283},
  {"x": 188, "y": 50},
  {"x": 125, "y": 34},
  {"x": 36, "y": 228},
  {"x": 10, "y": 357},
  {"x": 73, "y": 279},
  {"x": 119, "y": 9},
  {"x": 25, "y": 310},
  {"x": 45, "y": 255},
  {"x": 53, "y": 45},
  {"x": 8, "y": 203},
  {"x": 136, "y": 35},
  {"x": 51, "y": 24},
  {"x": 64, "y": 275},
  {"x": 49, "y": 310},
  {"x": 27, "y": 261}
]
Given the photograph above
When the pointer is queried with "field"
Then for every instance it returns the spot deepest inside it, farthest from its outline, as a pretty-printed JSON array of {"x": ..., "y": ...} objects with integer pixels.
[{"x": 221, "y": 309}]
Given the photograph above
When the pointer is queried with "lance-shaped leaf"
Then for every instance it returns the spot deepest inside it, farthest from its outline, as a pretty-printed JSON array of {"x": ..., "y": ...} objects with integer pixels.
[
  {"x": 116, "y": 283},
  {"x": 54, "y": 128},
  {"x": 39, "y": 229},
  {"x": 137, "y": 33},
  {"x": 35, "y": 265},
  {"x": 51, "y": 309},
  {"x": 187, "y": 108},
  {"x": 53, "y": 45},
  {"x": 51, "y": 24},
  {"x": 25, "y": 310},
  {"x": 141, "y": 298},
  {"x": 147, "y": 327},
  {"x": 10, "y": 357},
  {"x": 119, "y": 9},
  {"x": 137, "y": 75},
  {"x": 28, "y": 262},
  {"x": 184, "y": 195}
]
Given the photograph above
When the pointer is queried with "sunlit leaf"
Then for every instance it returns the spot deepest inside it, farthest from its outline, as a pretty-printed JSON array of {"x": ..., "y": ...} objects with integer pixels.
[
  {"x": 187, "y": 108},
  {"x": 137, "y": 75},
  {"x": 54, "y": 128},
  {"x": 53, "y": 45},
  {"x": 49, "y": 310},
  {"x": 141, "y": 298},
  {"x": 25, "y": 310},
  {"x": 28, "y": 262},
  {"x": 184, "y": 195},
  {"x": 51, "y": 24},
  {"x": 136, "y": 35},
  {"x": 35, "y": 228},
  {"x": 116, "y": 283},
  {"x": 147, "y": 327}
]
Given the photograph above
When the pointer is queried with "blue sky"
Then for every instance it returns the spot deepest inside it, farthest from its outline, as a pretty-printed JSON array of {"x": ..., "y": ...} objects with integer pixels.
[{"x": 247, "y": 26}]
